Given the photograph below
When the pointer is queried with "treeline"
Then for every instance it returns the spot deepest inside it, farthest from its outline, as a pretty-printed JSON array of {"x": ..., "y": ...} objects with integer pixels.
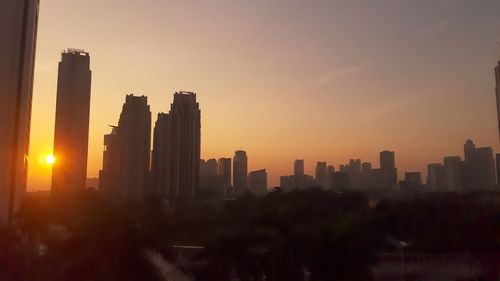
[{"x": 283, "y": 236}]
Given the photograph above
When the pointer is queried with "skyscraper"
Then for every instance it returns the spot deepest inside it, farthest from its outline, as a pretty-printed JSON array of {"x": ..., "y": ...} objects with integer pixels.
[
  {"x": 298, "y": 168},
  {"x": 469, "y": 149},
  {"x": 497, "y": 159},
  {"x": 240, "y": 171},
  {"x": 224, "y": 170},
  {"x": 453, "y": 174},
  {"x": 435, "y": 177},
  {"x": 125, "y": 172},
  {"x": 160, "y": 156},
  {"x": 497, "y": 90},
  {"x": 176, "y": 149},
  {"x": 482, "y": 167},
  {"x": 257, "y": 181},
  {"x": 388, "y": 171},
  {"x": 72, "y": 122},
  {"x": 321, "y": 174},
  {"x": 18, "y": 30}
]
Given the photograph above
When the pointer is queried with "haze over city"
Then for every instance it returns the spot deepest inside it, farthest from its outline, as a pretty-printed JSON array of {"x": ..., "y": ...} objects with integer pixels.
[{"x": 283, "y": 80}]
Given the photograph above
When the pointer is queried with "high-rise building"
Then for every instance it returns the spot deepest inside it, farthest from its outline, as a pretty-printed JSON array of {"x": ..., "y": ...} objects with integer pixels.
[
  {"x": 388, "y": 171},
  {"x": 160, "y": 156},
  {"x": 436, "y": 177},
  {"x": 413, "y": 178},
  {"x": 482, "y": 170},
  {"x": 240, "y": 171},
  {"x": 469, "y": 149},
  {"x": 498, "y": 168},
  {"x": 18, "y": 30},
  {"x": 257, "y": 181},
  {"x": 224, "y": 170},
  {"x": 212, "y": 167},
  {"x": 453, "y": 174},
  {"x": 176, "y": 149},
  {"x": 298, "y": 168},
  {"x": 479, "y": 167},
  {"x": 71, "y": 135},
  {"x": 125, "y": 173},
  {"x": 367, "y": 175},
  {"x": 321, "y": 174},
  {"x": 497, "y": 90},
  {"x": 354, "y": 172}
]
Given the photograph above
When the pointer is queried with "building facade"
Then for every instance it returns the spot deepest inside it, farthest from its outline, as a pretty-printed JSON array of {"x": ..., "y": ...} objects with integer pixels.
[
  {"x": 388, "y": 176},
  {"x": 453, "y": 174},
  {"x": 224, "y": 171},
  {"x": 240, "y": 171},
  {"x": 71, "y": 134},
  {"x": 435, "y": 177},
  {"x": 497, "y": 91},
  {"x": 18, "y": 31},
  {"x": 257, "y": 181},
  {"x": 321, "y": 174},
  {"x": 125, "y": 173},
  {"x": 176, "y": 149}
]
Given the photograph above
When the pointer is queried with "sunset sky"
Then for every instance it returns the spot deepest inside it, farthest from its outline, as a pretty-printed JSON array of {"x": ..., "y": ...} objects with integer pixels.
[{"x": 283, "y": 79}]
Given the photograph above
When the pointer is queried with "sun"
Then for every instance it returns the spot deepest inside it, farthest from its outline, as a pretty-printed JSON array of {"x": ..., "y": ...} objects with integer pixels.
[{"x": 50, "y": 159}]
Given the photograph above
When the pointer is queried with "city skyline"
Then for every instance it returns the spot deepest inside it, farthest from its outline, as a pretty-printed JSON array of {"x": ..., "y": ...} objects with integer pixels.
[{"x": 274, "y": 123}]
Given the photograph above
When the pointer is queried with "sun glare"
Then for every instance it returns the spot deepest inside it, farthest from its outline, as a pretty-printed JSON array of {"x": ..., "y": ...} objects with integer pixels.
[{"x": 50, "y": 159}]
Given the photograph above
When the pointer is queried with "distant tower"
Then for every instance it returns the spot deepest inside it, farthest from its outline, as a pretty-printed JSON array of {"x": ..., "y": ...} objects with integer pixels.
[
  {"x": 125, "y": 172},
  {"x": 453, "y": 174},
  {"x": 224, "y": 170},
  {"x": 497, "y": 90},
  {"x": 71, "y": 135},
  {"x": 321, "y": 174},
  {"x": 240, "y": 171},
  {"x": 257, "y": 181},
  {"x": 469, "y": 149},
  {"x": 388, "y": 169},
  {"x": 436, "y": 177},
  {"x": 176, "y": 149},
  {"x": 298, "y": 168},
  {"x": 18, "y": 30}
]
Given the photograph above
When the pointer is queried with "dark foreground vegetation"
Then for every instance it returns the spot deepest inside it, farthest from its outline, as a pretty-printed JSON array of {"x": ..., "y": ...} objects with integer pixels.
[{"x": 329, "y": 235}]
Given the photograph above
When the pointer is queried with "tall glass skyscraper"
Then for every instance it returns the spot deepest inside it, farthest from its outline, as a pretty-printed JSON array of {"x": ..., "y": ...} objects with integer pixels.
[
  {"x": 71, "y": 135},
  {"x": 18, "y": 30},
  {"x": 176, "y": 149},
  {"x": 497, "y": 90}
]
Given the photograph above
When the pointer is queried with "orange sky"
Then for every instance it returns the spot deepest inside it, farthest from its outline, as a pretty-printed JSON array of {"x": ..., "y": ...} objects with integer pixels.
[{"x": 283, "y": 79}]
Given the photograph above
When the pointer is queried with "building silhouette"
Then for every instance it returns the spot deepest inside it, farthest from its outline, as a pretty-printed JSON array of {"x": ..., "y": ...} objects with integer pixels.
[
  {"x": 436, "y": 177},
  {"x": 176, "y": 149},
  {"x": 387, "y": 176},
  {"x": 469, "y": 149},
  {"x": 354, "y": 171},
  {"x": 479, "y": 168},
  {"x": 211, "y": 184},
  {"x": 18, "y": 30},
  {"x": 453, "y": 174},
  {"x": 240, "y": 171},
  {"x": 71, "y": 134},
  {"x": 497, "y": 91},
  {"x": 482, "y": 170},
  {"x": 321, "y": 174},
  {"x": 224, "y": 171},
  {"x": 160, "y": 156},
  {"x": 257, "y": 181},
  {"x": 125, "y": 173},
  {"x": 367, "y": 175},
  {"x": 298, "y": 168},
  {"x": 497, "y": 159},
  {"x": 412, "y": 181}
]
